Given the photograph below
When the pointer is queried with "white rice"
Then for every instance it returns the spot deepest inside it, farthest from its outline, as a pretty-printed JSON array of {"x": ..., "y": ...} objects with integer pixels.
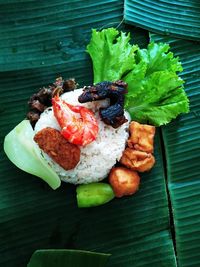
[{"x": 98, "y": 157}]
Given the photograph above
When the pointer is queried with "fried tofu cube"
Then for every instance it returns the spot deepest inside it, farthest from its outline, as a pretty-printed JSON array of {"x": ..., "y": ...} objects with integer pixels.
[
  {"x": 124, "y": 182},
  {"x": 137, "y": 160},
  {"x": 141, "y": 137}
]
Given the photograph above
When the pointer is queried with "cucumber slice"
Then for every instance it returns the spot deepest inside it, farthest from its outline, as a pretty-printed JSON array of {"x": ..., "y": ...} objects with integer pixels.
[{"x": 25, "y": 154}]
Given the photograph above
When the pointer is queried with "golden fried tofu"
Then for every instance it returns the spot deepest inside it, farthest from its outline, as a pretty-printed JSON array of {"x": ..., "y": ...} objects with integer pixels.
[
  {"x": 137, "y": 160},
  {"x": 51, "y": 141},
  {"x": 124, "y": 182},
  {"x": 141, "y": 137}
]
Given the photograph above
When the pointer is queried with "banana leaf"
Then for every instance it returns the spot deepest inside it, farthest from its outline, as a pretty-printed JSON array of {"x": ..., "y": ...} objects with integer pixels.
[
  {"x": 180, "y": 18},
  {"x": 40, "y": 41},
  {"x": 67, "y": 258},
  {"x": 182, "y": 148}
]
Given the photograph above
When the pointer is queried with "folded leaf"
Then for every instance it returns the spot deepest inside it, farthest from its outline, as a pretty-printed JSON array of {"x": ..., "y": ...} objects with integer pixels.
[
  {"x": 178, "y": 18},
  {"x": 182, "y": 146},
  {"x": 67, "y": 258}
]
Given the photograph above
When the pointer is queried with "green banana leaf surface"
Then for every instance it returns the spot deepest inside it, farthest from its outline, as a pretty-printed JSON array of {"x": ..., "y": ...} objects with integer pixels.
[
  {"x": 180, "y": 18},
  {"x": 182, "y": 147},
  {"x": 158, "y": 226},
  {"x": 67, "y": 257}
]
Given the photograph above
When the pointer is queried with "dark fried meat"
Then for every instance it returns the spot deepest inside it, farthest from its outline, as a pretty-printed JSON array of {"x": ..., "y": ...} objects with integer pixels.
[
  {"x": 141, "y": 136},
  {"x": 69, "y": 85},
  {"x": 37, "y": 105},
  {"x": 51, "y": 141},
  {"x": 114, "y": 114},
  {"x": 39, "y": 101},
  {"x": 33, "y": 116},
  {"x": 137, "y": 160}
]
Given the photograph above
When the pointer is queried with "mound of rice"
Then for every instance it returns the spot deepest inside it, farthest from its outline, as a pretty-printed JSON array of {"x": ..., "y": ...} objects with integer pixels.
[{"x": 98, "y": 157}]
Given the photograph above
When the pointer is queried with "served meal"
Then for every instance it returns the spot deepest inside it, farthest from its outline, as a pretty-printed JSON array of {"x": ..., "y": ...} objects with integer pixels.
[{"x": 105, "y": 130}]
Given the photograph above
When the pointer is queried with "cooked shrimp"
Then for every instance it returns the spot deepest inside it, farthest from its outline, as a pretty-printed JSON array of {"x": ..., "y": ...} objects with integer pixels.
[{"x": 79, "y": 129}]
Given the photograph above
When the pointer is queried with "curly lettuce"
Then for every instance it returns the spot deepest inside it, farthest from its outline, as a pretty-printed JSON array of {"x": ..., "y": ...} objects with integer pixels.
[
  {"x": 155, "y": 91},
  {"x": 112, "y": 54}
]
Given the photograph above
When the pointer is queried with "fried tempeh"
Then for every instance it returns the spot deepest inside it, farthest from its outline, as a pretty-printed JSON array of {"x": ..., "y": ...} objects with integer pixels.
[{"x": 51, "y": 141}]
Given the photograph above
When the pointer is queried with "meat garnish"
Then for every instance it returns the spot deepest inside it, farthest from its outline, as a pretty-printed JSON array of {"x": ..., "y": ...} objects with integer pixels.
[
  {"x": 51, "y": 141},
  {"x": 33, "y": 117},
  {"x": 124, "y": 182},
  {"x": 41, "y": 100},
  {"x": 141, "y": 137},
  {"x": 69, "y": 85},
  {"x": 114, "y": 114},
  {"x": 137, "y": 160}
]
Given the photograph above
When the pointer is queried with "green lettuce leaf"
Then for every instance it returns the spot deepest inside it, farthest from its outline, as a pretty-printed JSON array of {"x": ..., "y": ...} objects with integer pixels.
[
  {"x": 157, "y": 58},
  {"x": 155, "y": 91},
  {"x": 111, "y": 54},
  {"x": 25, "y": 154},
  {"x": 164, "y": 101}
]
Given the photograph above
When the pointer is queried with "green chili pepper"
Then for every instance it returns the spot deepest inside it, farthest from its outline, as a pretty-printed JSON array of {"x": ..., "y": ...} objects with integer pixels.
[{"x": 94, "y": 194}]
